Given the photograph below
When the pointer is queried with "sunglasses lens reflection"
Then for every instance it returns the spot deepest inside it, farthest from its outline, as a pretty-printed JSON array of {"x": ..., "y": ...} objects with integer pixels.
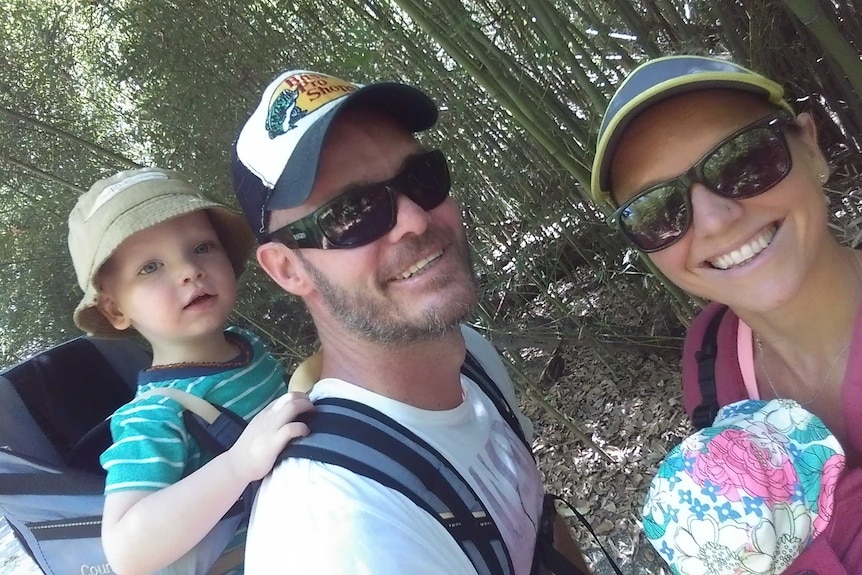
[
  {"x": 657, "y": 218},
  {"x": 430, "y": 183},
  {"x": 366, "y": 214},
  {"x": 359, "y": 216},
  {"x": 745, "y": 165}
]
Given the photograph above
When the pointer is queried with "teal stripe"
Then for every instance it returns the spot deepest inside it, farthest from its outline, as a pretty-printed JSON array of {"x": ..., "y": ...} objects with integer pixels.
[{"x": 152, "y": 446}]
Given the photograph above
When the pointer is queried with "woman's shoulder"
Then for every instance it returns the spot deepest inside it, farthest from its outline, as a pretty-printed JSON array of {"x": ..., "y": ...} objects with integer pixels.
[
  {"x": 710, "y": 352},
  {"x": 712, "y": 312}
]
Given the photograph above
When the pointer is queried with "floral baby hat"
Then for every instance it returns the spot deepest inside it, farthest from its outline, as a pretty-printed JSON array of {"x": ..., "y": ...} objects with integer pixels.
[{"x": 746, "y": 495}]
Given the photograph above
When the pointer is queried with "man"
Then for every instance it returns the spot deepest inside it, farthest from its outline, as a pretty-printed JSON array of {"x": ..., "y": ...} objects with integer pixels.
[{"x": 354, "y": 217}]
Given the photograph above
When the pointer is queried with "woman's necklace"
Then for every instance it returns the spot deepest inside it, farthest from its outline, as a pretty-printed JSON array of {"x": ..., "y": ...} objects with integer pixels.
[{"x": 759, "y": 342}]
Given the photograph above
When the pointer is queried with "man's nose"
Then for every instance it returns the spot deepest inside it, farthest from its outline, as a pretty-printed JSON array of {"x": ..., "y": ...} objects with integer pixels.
[{"x": 410, "y": 218}]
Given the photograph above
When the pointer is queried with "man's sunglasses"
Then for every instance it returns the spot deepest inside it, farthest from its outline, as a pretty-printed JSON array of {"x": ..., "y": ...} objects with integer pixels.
[
  {"x": 362, "y": 215},
  {"x": 743, "y": 165}
]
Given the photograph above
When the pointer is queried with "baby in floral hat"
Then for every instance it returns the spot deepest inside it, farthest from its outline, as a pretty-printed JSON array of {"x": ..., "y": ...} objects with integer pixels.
[{"x": 746, "y": 495}]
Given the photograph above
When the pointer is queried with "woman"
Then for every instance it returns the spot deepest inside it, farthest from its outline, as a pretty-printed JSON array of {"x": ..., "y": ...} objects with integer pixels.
[{"x": 712, "y": 174}]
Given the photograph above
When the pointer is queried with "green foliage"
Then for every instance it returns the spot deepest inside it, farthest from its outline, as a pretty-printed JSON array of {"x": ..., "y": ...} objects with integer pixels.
[{"x": 91, "y": 87}]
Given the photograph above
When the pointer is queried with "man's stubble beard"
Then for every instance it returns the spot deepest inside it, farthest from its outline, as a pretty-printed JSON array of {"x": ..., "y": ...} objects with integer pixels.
[{"x": 372, "y": 319}]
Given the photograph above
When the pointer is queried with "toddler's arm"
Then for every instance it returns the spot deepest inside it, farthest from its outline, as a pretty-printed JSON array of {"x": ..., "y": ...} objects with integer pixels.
[{"x": 143, "y": 531}]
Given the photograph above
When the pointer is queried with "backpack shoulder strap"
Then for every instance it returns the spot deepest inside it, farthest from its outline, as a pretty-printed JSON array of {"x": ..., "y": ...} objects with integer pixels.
[
  {"x": 704, "y": 414},
  {"x": 369, "y": 443},
  {"x": 546, "y": 558},
  {"x": 474, "y": 370}
]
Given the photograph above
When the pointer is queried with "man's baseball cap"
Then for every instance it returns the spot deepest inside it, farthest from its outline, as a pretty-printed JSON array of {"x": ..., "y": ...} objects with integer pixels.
[
  {"x": 658, "y": 80},
  {"x": 275, "y": 157},
  {"x": 115, "y": 208}
]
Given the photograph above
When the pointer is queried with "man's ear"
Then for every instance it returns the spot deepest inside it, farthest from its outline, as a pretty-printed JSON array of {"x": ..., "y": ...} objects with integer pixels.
[
  {"x": 112, "y": 312},
  {"x": 281, "y": 264}
]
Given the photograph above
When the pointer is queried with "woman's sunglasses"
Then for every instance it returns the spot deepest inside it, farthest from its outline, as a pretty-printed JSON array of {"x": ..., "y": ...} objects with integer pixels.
[
  {"x": 743, "y": 165},
  {"x": 362, "y": 215}
]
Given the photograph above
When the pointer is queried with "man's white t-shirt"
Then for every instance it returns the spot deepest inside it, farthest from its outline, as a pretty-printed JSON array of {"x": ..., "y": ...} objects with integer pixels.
[{"x": 311, "y": 517}]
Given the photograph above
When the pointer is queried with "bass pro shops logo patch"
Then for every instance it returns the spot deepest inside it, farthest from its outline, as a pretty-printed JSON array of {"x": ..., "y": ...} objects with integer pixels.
[{"x": 300, "y": 95}]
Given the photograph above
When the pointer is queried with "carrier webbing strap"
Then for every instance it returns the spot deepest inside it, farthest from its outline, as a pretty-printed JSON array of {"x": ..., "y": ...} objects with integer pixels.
[
  {"x": 551, "y": 560},
  {"x": 344, "y": 433},
  {"x": 70, "y": 528},
  {"x": 197, "y": 405},
  {"x": 216, "y": 429},
  {"x": 704, "y": 414},
  {"x": 50, "y": 484},
  {"x": 555, "y": 561},
  {"x": 369, "y": 443}
]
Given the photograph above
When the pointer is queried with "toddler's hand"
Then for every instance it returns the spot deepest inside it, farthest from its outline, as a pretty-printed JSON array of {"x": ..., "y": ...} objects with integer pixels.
[{"x": 254, "y": 453}]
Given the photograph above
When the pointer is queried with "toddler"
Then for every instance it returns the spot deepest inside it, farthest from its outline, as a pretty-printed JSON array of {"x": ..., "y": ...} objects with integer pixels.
[{"x": 155, "y": 258}]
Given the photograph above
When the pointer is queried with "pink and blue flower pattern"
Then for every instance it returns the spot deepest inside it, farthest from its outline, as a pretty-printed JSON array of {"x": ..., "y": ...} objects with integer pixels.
[{"x": 746, "y": 495}]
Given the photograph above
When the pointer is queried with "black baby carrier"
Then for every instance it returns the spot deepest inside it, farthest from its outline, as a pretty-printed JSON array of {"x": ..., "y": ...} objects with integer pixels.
[
  {"x": 53, "y": 427},
  {"x": 52, "y": 431}
]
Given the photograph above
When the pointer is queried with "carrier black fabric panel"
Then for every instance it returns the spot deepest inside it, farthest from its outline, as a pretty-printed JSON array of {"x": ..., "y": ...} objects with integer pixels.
[
  {"x": 70, "y": 388},
  {"x": 47, "y": 495},
  {"x": 47, "y": 404}
]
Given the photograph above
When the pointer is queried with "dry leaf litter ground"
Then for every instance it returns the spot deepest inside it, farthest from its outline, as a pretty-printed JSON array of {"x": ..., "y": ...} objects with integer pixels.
[{"x": 635, "y": 417}]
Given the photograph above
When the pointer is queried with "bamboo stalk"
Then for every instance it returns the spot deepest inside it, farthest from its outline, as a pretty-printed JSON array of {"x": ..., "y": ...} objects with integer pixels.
[
  {"x": 45, "y": 127},
  {"x": 41, "y": 174},
  {"x": 810, "y": 13},
  {"x": 508, "y": 96}
]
